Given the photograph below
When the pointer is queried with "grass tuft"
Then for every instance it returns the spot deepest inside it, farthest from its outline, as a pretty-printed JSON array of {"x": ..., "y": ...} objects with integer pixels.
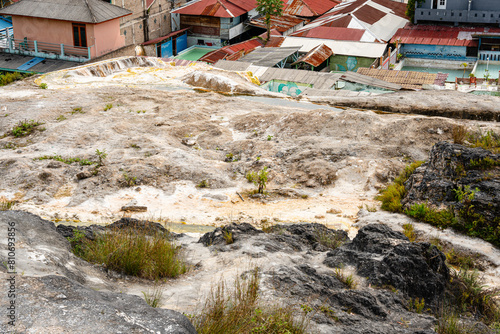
[
  {"x": 154, "y": 297},
  {"x": 134, "y": 252},
  {"x": 409, "y": 231},
  {"x": 348, "y": 280},
  {"x": 238, "y": 310}
]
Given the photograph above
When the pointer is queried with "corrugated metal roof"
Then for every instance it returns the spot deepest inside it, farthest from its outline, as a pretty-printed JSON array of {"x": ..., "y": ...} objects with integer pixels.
[
  {"x": 339, "y": 34},
  {"x": 369, "y": 80},
  {"x": 309, "y": 8},
  {"x": 407, "y": 79},
  {"x": 226, "y": 52},
  {"x": 160, "y": 39},
  {"x": 86, "y": 11},
  {"x": 279, "y": 23},
  {"x": 232, "y": 65},
  {"x": 318, "y": 80},
  {"x": 348, "y": 48},
  {"x": 269, "y": 56},
  {"x": 217, "y": 8},
  {"x": 379, "y": 19},
  {"x": 441, "y": 35},
  {"x": 316, "y": 56}
]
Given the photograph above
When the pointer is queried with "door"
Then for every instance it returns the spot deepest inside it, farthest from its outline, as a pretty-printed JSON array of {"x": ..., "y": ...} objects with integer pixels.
[
  {"x": 441, "y": 4},
  {"x": 79, "y": 35}
]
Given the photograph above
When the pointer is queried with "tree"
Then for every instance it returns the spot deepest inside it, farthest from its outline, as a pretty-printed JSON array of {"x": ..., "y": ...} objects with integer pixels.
[
  {"x": 410, "y": 9},
  {"x": 269, "y": 8}
]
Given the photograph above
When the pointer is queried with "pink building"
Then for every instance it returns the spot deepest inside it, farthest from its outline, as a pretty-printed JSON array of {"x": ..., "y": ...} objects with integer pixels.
[{"x": 65, "y": 29}]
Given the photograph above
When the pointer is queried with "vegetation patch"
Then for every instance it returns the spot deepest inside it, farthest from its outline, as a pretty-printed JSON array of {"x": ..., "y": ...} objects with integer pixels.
[
  {"x": 239, "y": 310},
  {"x": 348, "y": 280},
  {"x": 9, "y": 77},
  {"x": 392, "y": 195},
  {"x": 409, "y": 231},
  {"x": 69, "y": 161},
  {"x": 132, "y": 252},
  {"x": 489, "y": 141},
  {"x": 25, "y": 128}
]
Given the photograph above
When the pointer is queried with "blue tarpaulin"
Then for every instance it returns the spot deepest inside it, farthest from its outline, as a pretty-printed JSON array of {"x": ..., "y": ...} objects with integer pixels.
[{"x": 29, "y": 64}]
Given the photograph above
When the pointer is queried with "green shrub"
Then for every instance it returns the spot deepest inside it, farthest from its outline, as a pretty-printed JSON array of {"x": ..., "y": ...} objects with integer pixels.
[
  {"x": 135, "y": 252},
  {"x": 238, "y": 310},
  {"x": 439, "y": 218},
  {"x": 489, "y": 140},
  {"x": 392, "y": 195},
  {"x": 108, "y": 106},
  {"x": 43, "y": 85},
  {"x": 259, "y": 179},
  {"x": 9, "y": 77}
]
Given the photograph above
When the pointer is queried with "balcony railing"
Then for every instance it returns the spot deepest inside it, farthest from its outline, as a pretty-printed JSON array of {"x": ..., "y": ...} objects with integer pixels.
[
  {"x": 489, "y": 55},
  {"x": 4, "y": 34},
  {"x": 44, "y": 50},
  {"x": 459, "y": 16}
]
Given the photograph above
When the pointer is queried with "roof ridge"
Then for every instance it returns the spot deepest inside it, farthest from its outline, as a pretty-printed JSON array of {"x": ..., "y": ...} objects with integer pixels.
[
  {"x": 225, "y": 8},
  {"x": 94, "y": 20}
]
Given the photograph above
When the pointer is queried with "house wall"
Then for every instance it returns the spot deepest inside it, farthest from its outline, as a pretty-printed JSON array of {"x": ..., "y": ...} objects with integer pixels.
[
  {"x": 349, "y": 63},
  {"x": 44, "y": 30},
  {"x": 486, "y": 5},
  {"x": 143, "y": 24},
  {"x": 202, "y": 25},
  {"x": 434, "y": 51},
  {"x": 107, "y": 37}
]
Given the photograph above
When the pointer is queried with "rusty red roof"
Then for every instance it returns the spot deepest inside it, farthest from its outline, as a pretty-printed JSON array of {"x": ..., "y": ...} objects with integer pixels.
[
  {"x": 280, "y": 23},
  {"x": 441, "y": 35},
  {"x": 160, "y": 39},
  {"x": 229, "y": 52},
  {"x": 217, "y": 8},
  {"x": 335, "y": 33},
  {"x": 309, "y": 8},
  {"x": 316, "y": 56}
]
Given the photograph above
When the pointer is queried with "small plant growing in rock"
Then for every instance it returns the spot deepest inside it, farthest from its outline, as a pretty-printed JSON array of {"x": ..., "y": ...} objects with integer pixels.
[
  {"x": 25, "y": 128},
  {"x": 228, "y": 236},
  {"x": 130, "y": 181},
  {"x": 108, "y": 106},
  {"x": 77, "y": 110},
  {"x": 306, "y": 308},
  {"x": 61, "y": 118},
  {"x": 43, "y": 85},
  {"x": 203, "y": 184},
  {"x": 409, "y": 231},
  {"x": 416, "y": 305},
  {"x": 154, "y": 296},
  {"x": 348, "y": 280},
  {"x": 101, "y": 156},
  {"x": 269, "y": 137},
  {"x": 6, "y": 205},
  {"x": 458, "y": 133},
  {"x": 259, "y": 179}
]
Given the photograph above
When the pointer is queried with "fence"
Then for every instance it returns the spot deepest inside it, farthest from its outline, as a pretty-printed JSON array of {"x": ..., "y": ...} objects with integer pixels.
[{"x": 42, "y": 49}]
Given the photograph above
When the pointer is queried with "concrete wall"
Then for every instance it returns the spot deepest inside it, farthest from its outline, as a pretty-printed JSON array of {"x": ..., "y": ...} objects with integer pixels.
[
  {"x": 445, "y": 64},
  {"x": 348, "y": 63},
  {"x": 107, "y": 37},
  {"x": 434, "y": 51},
  {"x": 143, "y": 24},
  {"x": 486, "y": 5}
]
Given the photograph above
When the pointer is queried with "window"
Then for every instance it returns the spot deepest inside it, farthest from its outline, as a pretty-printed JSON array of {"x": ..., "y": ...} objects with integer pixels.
[
  {"x": 442, "y": 2},
  {"x": 79, "y": 35}
]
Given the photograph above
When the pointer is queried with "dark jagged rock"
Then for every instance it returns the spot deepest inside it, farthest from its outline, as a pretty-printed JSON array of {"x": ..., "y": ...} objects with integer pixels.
[
  {"x": 124, "y": 223},
  {"x": 317, "y": 236},
  {"x": 450, "y": 167},
  {"x": 387, "y": 258},
  {"x": 236, "y": 231}
]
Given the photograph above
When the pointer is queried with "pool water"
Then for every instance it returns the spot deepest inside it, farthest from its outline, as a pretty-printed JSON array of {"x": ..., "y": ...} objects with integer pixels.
[
  {"x": 452, "y": 74},
  {"x": 492, "y": 70},
  {"x": 194, "y": 53}
]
